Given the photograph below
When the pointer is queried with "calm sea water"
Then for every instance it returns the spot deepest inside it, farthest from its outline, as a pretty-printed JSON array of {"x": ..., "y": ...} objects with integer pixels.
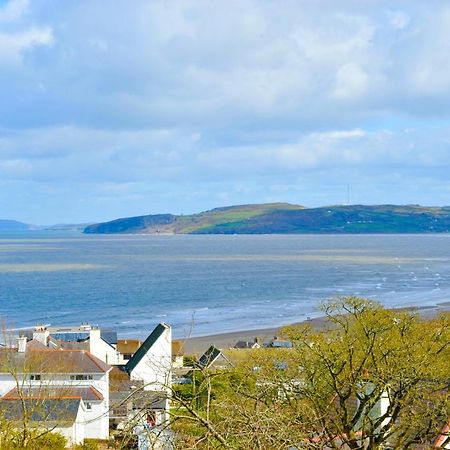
[{"x": 209, "y": 284}]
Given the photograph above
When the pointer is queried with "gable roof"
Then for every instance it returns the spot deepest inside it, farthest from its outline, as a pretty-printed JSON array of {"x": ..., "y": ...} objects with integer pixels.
[
  {"x": 51, "y": 361},
  {"x": 146, "y": 346},
  {"x": 211, "y": 356},
  {"x": 246, "y": 344}
]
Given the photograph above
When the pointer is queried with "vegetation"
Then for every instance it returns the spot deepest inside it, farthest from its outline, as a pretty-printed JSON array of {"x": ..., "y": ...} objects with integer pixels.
[
  {"x": 12, "y": 439},
  {"x": 373, "y": 379},
  {"x": 285, "y": 218}
]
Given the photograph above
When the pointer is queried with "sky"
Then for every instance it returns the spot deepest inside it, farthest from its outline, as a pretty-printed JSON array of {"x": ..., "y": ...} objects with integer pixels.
[{"x": 113, "y": 108}]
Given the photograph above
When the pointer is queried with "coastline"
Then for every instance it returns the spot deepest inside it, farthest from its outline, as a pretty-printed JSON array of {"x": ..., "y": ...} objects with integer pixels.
[{"x": 198, "y": 345}]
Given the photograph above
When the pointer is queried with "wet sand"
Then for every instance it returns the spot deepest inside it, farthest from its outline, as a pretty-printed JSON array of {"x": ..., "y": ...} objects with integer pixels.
[{"x": 197, "y": 345}]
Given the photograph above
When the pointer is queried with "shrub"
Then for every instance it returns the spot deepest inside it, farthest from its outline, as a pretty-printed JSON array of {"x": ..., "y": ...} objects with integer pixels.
[{"x": 88, "y": 444}]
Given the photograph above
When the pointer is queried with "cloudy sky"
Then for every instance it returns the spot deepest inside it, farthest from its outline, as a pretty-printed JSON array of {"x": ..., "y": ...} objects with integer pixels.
[{"x": 119, "y": 108}]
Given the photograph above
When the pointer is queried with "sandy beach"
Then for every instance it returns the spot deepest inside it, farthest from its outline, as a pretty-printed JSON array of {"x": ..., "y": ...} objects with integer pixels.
[{"x": 197, "y": 345}]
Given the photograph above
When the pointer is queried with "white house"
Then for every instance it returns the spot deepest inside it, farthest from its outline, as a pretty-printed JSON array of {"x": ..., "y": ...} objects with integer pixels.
[
  {"x": 62, "y": 378},
  {"x": 152, "y": 363}
]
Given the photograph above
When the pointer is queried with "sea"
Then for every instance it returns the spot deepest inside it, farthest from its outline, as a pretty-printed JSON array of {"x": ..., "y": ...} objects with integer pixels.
[{"x": 203, "y": 285}]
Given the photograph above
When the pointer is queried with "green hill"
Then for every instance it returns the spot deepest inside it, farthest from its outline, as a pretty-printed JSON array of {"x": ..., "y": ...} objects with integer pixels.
[{"x": 284, "y": 218}]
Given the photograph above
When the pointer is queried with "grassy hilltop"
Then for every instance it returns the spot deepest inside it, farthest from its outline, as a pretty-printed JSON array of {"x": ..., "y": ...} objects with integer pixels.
[{"x": 285, "y": 218}]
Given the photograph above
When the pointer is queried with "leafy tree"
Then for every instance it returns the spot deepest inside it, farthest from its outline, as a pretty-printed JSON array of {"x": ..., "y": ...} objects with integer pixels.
[{"x": 371, "y": 378}]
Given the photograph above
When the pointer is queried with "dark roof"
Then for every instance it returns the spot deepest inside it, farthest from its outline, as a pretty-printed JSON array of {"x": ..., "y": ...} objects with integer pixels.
[
  {"x": 49, "y": 410},
  {"x": 146, "y": 346},
  {"x": 86, "y": 393},
  {"x": 109, "y": 336},
  {"x": 244, "y": 344},
  {"x": 208, "y": 358},
  {"x": 51, "y": 361},
  {"x": 122, "y": 403}
]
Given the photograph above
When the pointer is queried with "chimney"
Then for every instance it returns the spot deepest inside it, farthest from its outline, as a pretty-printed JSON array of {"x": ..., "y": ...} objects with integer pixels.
[
  {"x": 22, "y": 344},
  {"x": 41, "y": 335},
  {"x": 94, "y": 341}
]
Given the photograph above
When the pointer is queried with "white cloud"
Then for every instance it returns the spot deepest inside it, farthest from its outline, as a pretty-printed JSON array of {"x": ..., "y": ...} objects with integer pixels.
[
  {"x": 399, "y": 19},
  {"x": 238, "y": 95},
  {"x": 13, "y": 45},
  {"x": 12, "y": 10},
  {"x": 352, "y": 82}
]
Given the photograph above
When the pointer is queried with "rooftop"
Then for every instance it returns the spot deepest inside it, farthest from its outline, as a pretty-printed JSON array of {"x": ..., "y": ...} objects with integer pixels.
[
  {"x": 51, "y": 361},
  {"x": 48, "y": 410},
  {"x": 86, "y": 393}
]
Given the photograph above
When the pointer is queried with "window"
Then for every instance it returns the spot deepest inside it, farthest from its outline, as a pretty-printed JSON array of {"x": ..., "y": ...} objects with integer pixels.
[
  {"x": 81, "y": 377},
  {"x": 88, "y": 405},
  {"x": 35, "y": 376}
]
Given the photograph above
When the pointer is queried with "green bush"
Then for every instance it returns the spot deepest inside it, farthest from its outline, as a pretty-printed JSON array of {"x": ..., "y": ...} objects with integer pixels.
[
  {"x": 14, "y": 440},
  {"x": 50, "y": 441},
  {"x": 88, "y": 444}
]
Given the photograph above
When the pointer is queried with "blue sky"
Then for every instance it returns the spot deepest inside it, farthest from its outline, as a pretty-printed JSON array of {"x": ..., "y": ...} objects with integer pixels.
[{"x": 117, "y": 108}]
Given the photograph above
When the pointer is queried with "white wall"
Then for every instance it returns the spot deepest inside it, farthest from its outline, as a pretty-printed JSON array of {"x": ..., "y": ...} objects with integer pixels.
[
  {"x": 101, "y": 349},
  {"x": 155, "y": 368},
  {"x": 98, "y": 429}
]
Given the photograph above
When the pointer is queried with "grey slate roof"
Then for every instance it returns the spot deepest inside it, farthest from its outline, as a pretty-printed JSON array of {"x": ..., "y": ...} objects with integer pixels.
[
  {"x": 146, "y": 346},
  {"x": 50, "y": 410}
]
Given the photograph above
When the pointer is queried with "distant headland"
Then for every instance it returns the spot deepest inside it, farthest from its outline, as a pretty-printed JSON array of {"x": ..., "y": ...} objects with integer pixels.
[{"x": 286, "y": 218}]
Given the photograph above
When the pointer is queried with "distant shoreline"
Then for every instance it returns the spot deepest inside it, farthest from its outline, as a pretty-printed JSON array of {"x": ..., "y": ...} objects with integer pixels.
[{"x": 197, "y": 345}]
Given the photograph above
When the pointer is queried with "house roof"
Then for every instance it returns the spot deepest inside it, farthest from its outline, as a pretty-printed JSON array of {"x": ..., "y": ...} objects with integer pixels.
[
  {"x": 210, "y": 357},
  {"x": 280, "y": 343},
  {"x": 177, "y": 348},
  {"x": 71, "y": 345},
  {"x": 86, "y": 393},
  {"x": 36, "y": 345},
  {"x": 146, "y": 346},
  {"x": 246, "y": 344},
  {"x": 51, "y": 361},
  {"x": 128, "y": 346},
  {"x": 48, "y": 410},
  {"x": 123, "y": 402},
  {"x": 443, "y": 437}
]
